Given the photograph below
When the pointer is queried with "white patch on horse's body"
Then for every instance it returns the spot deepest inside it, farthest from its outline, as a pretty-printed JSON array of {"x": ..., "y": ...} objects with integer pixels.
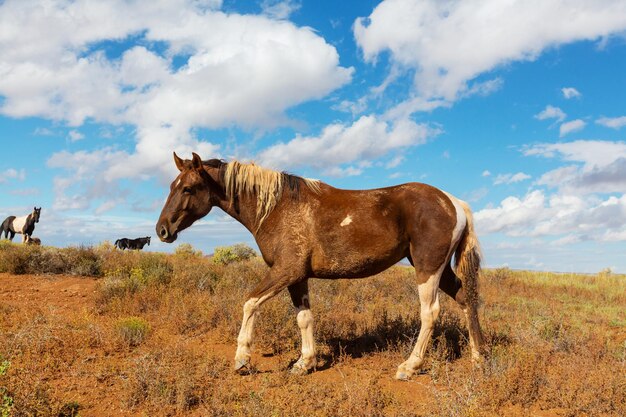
[
  {"x": 177, "y": 182},
  {"x": 461, "y": 221},
  {"x": 19, "y": 223},
  {"x": 346, "y": 221}
]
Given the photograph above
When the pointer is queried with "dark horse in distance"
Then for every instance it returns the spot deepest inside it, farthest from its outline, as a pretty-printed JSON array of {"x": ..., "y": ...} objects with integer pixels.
[
  {"x": 138, "y": 244},
  {"x": 308, "y": 229},
  {"x": 22, "y": 224}
]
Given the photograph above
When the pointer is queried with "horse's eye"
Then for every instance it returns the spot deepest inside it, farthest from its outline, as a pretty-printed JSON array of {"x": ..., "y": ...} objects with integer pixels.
[{"x": 186, "y": 190}]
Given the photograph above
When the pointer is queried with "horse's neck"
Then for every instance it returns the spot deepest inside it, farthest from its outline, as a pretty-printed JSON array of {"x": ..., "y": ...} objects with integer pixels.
[{"x": 242, "y": 208}]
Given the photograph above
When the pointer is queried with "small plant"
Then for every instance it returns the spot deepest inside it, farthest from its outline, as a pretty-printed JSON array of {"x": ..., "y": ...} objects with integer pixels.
[
  {"x": 4, "y": 367},
  {"x": 69, "y": 409},
  {"x": 132, "y": 330},
  {"x": 7, "y": 401},
  {"x": 225, "y": 255},
  {"x": 7, "y": 404}
]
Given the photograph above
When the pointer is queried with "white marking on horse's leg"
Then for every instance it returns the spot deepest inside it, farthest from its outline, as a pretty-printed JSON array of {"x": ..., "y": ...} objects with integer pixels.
[
  {"x": 346, "y": 221},
  {"x": 308, "y": 359},
  {"x": 244, "y": 340},
  {"x": 429, "y": 311}
]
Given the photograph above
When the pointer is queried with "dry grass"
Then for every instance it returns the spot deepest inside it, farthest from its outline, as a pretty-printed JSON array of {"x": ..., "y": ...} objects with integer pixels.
[{"x": 558, "y": 344}]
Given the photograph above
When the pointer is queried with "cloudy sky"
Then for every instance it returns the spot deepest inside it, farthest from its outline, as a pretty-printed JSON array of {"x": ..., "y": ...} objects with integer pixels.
[{"x": 517, "y": 107}]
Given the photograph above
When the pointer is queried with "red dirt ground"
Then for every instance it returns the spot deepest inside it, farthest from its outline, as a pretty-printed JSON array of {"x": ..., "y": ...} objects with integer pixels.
[{"x": 98, "y": 395}]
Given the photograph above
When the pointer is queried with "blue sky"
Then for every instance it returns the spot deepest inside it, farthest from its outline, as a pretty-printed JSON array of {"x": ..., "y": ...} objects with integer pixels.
[{"x": 516, "y": 107}]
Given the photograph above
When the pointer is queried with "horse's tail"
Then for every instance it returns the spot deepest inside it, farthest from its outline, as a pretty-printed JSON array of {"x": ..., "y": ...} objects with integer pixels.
[
  {"x": 468, "y": 256},
  {"x": 117, "y": 243}
]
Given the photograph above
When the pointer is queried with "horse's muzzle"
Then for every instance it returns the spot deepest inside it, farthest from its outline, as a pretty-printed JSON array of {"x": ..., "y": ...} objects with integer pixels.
[{"x": 164, "y": 233}]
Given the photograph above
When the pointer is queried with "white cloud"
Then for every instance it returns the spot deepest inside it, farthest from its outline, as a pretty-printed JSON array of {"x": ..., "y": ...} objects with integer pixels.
[
  {"x": 484, "y": 88},
  {"x": 612, "y": 122},
  {"x": 587, "y": 203},
  {"x": 43, "y": 131},
  {"x": 397, "y": 160},
  {"x": 243, "y": 70},
  {"x": 75, "y": 135},
  {"x": 12, "y": 174},
  {"x": 570, "y": 92},
  {"x": 486, "y": 173},
  {"x": 366, "y": 139},
  {"x": 537, "y": 214},
  {"x": 280, "y": 9},
  {"x": 599, "y": 166},
  {"x": 551, "y": 112},
  {"x": 449, "y": 43},
  {"x": 510, "y": 178},
  {"x": 590, "y": 152},
  {"x": 571, "y": 126},
  {"x": 85, "y": 181},
  {"x": 354, "y": 107}
]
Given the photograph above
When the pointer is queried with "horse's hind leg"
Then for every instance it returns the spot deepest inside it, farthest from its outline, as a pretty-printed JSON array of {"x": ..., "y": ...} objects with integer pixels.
[
  {"x": 466, "y": 295},
  {"x": 300, "y": 297},
  {"x": 429, "y": 311}
]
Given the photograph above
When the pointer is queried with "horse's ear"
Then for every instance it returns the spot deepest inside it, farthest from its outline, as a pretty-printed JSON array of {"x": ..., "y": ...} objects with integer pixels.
[
  {"x": 179, "y": 162},
  {"x": 196, "y": 162}
]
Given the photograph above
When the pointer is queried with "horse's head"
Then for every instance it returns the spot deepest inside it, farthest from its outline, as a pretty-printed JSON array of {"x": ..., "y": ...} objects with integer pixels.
[
  {"x": 148, "y": 240},
  {"x": 189, "y": 199},
  {"x": 36, "y": 214}
]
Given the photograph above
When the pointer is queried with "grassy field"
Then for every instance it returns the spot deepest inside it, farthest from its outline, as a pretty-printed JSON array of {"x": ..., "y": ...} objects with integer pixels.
[{"x": 137, "y": 333}]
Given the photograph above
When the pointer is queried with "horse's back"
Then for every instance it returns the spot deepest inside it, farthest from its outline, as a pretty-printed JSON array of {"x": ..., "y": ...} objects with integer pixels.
[
  {"x": 353, "y": 233},
  {"x": 7, "y": 222}
]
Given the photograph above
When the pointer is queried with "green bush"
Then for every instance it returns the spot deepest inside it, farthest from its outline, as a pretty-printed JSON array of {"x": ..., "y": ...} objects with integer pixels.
[
  {"x": 185, "y": 250},
  {"x": 225, "y": 255},
  {"x": 6, "y": 399},
  {"x": 132, "y": 330}
]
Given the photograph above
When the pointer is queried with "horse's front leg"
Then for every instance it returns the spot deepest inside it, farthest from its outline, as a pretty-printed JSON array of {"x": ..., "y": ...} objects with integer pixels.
[
  {"x": 275, "y": 281},
  {"x": 300, "y": 297}
]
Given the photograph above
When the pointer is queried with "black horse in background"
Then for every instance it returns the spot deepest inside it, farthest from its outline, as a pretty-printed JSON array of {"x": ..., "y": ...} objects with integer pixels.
[{"x": 139, "y": 243}]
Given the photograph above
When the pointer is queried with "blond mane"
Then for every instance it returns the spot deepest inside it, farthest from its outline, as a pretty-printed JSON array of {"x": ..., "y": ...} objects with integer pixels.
[{"x": 267, "y": 184}]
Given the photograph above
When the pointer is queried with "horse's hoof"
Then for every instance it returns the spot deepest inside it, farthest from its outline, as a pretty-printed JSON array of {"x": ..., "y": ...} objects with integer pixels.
[
  {"x": 300, "y": 369},
  {"x": 402, "y": 376},
  {"x": 242, "y": 365}
]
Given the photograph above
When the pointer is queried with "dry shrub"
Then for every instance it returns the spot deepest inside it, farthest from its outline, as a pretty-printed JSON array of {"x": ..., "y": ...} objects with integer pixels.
[
  {"x": 556, "y": 344},
  {"x": 170, "y": 381},
  {"x": 29, "y": 259}
]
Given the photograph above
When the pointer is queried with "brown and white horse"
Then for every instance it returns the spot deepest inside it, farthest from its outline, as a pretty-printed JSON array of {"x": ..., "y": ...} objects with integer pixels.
[
  {"x": 307, "y": 229},
  {"x": 23, "y": 224}
]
